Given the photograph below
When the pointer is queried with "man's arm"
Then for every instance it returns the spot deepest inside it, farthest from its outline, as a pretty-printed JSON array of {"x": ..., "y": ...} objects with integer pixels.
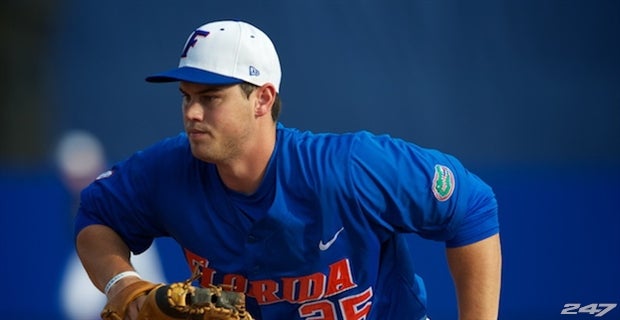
[
  {"x": 476, "y": 270},
  {"x": 104, "y": 255}
]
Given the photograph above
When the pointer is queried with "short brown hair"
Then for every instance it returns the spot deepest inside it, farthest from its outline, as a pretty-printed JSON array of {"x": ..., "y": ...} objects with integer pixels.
[{"x": 248, "y": 88}]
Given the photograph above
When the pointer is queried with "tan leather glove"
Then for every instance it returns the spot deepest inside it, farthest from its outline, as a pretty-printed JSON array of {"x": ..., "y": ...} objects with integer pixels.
[{"x": 179, "y": 300}]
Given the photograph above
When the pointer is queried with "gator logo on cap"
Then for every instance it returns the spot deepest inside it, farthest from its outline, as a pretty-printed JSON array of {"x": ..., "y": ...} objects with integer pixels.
[{"x": 443, "y": 182}]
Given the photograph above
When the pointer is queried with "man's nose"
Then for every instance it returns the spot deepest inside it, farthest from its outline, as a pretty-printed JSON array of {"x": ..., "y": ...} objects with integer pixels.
[{"x": 193, "y": 110}]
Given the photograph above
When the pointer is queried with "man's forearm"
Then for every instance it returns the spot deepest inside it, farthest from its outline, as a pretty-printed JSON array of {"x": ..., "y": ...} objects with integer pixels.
[
  {"x": 103, "y": 254},
  {"x": 476, "y": 270}
]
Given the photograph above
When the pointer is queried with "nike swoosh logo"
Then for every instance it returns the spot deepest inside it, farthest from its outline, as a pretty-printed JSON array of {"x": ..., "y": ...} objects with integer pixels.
[{"x": 326, "y": 245}]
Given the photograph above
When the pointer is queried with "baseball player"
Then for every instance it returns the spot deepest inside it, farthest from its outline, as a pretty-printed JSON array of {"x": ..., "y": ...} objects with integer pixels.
[{"x": 306, "y": 225}]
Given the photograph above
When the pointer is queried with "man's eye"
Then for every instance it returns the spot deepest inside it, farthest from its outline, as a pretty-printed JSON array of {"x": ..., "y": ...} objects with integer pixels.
[{"x": 207, "y": 98}]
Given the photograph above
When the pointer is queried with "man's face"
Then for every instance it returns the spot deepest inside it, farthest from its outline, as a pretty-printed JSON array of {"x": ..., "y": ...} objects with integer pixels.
[{"x": 218, "y": 120}]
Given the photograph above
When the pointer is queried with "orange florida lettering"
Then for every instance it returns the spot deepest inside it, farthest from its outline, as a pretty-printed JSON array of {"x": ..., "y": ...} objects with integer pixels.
[
  {"x": 298, "y": 290},
  {"x": 307, "y": 291}
]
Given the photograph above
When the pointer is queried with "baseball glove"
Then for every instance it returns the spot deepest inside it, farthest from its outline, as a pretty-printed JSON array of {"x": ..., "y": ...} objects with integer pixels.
[{"x": 178, "y": 300}]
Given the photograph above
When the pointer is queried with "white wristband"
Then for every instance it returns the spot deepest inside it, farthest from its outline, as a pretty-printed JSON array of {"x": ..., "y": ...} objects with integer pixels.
[{"x": 118, "y": 278}]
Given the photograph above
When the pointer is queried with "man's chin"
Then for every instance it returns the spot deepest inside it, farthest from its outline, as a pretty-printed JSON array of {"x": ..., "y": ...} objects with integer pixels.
[{"x": 201, "y": 154}]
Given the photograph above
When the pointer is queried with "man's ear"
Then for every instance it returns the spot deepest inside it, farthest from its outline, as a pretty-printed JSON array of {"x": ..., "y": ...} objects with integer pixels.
[{"x": 265, "y": 97}]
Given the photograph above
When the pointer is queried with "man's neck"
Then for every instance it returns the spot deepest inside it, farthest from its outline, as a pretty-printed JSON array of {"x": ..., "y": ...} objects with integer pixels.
[{"x": 245, "y": 173}]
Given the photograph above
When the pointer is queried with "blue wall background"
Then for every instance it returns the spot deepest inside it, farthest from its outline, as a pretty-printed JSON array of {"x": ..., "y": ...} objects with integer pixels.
[{"x": 526, "y": 93}]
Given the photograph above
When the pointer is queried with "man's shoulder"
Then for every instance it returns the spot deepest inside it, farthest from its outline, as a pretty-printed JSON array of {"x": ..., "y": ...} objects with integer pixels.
[{"x": 294, "y": 136}]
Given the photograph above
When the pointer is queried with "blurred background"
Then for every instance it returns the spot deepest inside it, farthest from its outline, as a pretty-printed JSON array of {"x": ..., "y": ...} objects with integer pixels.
[{"x": 526, "y": 93}]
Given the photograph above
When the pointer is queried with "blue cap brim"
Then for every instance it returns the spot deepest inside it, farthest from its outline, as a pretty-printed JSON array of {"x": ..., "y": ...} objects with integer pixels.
[{"x": 194, "y": 75}]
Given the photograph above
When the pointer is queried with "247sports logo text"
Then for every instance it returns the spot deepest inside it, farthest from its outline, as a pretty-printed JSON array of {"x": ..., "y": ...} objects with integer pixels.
[{"x": 595, "y": 309}]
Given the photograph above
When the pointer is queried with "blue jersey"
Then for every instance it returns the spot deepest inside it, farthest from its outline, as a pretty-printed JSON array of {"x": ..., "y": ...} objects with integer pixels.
[{"x": 323, "y": 237}]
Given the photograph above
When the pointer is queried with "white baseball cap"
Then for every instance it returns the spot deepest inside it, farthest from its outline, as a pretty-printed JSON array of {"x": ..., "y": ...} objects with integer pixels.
[{"x": 226, "y": 52}]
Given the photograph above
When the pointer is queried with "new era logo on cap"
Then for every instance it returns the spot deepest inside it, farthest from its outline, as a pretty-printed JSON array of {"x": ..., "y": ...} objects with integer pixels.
[
  {"x": 226, "y": 52},
  {"x": 254, "y": 72}
]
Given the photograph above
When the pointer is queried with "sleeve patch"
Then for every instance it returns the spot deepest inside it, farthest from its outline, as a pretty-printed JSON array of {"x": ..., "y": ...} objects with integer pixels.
[
  {"x": 104, "y": 175},
  {"x": 443, "y": 183}
]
